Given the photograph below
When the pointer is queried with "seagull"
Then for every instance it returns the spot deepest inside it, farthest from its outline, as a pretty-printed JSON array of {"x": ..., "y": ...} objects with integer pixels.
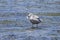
[{"x": 34, "y": 19}]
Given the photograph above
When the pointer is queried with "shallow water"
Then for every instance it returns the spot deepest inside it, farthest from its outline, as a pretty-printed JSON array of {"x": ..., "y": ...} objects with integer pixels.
[
  {"x": 15, "y": 26},
  {"x": 35, "y": 6},
  {"x": 20, "y": 28}
]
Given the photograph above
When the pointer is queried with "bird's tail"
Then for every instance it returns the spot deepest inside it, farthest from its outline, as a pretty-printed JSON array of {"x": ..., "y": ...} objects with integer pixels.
[{"x": 41, "y": 20}]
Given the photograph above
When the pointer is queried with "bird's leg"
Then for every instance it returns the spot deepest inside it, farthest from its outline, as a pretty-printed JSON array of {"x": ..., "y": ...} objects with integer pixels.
[
  {"x": 32, "y": 26},
  {"x": 37, "y": 25}
]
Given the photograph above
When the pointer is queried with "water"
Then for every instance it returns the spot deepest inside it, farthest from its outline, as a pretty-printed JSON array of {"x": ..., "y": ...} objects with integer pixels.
[
  {"x": 34, "y": 6},
  {"x": 15, "y": 26},
  {"x": 20, "y": 27}
]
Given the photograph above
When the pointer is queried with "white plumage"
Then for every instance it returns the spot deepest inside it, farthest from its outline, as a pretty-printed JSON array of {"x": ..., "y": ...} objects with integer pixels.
[{"x": 34, "y": 19}]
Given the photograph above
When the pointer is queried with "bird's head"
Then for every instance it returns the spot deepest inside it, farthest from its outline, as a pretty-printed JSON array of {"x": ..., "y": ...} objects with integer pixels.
[{"x": 29, "y": 15}]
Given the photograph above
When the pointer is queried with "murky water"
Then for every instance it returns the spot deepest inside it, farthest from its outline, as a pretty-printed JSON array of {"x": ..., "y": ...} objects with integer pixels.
[
  {"x": 15, "y": 26},
  {"x": 20, "y": 28}
]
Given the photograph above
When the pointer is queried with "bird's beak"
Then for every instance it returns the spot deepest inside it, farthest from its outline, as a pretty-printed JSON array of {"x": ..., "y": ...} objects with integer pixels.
[{"x": 27, "y": 17}]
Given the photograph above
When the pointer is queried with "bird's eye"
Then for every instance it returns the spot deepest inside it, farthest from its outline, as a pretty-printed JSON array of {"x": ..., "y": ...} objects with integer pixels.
[{"x": 28, "y": 16}]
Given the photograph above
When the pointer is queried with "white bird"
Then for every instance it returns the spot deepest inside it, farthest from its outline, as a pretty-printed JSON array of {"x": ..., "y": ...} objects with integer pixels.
[{"x": 34, "y": 19}]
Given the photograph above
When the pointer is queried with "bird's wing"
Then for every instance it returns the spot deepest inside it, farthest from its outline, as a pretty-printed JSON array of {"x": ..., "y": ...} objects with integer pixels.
[
  {"x": 38, "y": 19},
  {"x": 36, "y": 16}
]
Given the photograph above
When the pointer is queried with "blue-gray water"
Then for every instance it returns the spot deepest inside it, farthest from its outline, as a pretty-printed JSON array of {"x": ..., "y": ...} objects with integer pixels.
[{"x": 15, "y": 26}]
